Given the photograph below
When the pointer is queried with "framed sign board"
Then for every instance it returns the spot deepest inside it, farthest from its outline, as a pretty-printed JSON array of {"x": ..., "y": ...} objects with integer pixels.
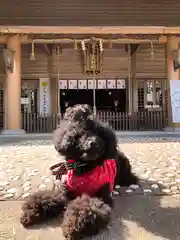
[
  {"x": 82, "y": 84},
  {"x": 72, "y": 84},
  {"x": 90, "y": 83},
  {"x": 102, "y": 84},
  {"x": 175, "y": 100},
  {"x": 111, "y": 83},
  {"x": 121, "y": 83},
  {"x": 63, "y": 84}
]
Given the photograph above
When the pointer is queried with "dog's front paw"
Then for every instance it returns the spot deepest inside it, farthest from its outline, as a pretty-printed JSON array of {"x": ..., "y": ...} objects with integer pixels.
[
  {"x": 29, "y": 218},
  {"x": 85, "y": 216}
]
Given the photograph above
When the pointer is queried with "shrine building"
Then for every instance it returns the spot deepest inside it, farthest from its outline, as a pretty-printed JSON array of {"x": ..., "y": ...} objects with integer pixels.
[{"x": 120, "y": 57}]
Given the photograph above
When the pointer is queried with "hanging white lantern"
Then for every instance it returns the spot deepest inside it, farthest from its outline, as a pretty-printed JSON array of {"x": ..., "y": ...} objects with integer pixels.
[
  {"x": 9, "y": 59},
  {"x": 83, "y": 46},
  {"x": 101, "y": 45}
]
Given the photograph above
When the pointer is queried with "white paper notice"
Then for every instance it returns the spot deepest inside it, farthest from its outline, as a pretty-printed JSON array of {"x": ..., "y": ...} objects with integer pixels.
[
  {"x": 101, "y": 83},
  {"x": 90, "y": 83},
  {"x": 111, "y": 83},
  {"x": 73, "y": 84},
  {"x": 175, "y": 100},
  {"x": 63, "y": 84},
  {"x": 82, "y": 84},
  {"x": 121, "y": 84}
]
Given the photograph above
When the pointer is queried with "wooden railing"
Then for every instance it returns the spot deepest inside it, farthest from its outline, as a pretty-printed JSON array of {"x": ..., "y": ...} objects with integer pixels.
[
  {"x": 34, "y": 123},
  {"x": 154, "y": 120}
]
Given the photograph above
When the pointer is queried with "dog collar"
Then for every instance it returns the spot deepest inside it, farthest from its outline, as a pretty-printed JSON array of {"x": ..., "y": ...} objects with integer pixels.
[{"x": 72, "y": 165}]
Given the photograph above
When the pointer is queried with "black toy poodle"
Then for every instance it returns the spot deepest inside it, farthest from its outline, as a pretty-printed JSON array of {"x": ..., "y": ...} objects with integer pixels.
[{"x": 93, "y": 167}]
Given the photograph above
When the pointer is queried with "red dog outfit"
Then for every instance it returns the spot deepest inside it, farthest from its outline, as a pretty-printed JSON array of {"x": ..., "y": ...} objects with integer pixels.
[{"x": 89, "y": 183}]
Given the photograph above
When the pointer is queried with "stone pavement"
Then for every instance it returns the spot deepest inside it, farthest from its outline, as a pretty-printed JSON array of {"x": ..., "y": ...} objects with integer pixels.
[
  {"x": 24, "y": 165},
  {"x": 152, "y": 212}
]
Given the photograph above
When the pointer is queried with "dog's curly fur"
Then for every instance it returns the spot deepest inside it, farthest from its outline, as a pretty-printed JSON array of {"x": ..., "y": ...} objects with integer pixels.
[{"x": 84, "y": 139}]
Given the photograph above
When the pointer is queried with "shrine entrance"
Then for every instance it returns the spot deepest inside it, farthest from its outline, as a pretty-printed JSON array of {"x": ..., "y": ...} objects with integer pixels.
[{"x": 110, "y": 94}]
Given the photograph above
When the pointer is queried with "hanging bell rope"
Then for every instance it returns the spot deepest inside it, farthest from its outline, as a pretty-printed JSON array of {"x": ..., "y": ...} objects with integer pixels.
[
  {"x": 58, "y": 79},
  {"x": 75, "y": 45},
  {"x": 94, "y": 77},
  {"x": 152, "y": 51}
]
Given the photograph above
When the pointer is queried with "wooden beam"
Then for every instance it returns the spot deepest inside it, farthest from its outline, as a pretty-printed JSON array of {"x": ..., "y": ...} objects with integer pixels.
[
  {"x": 48, "y": 49},
  {"x": 87, "y": 30},
  {"x": 23, "y": 39}
]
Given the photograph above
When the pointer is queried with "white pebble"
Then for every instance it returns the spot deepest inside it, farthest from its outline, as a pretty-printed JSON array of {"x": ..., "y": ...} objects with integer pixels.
[
  {"x": 152, "y": 179},
  {"x": 47, "y": 180},
  {"x": 175, "y": 164},
  {"x": 26, "y": 184},
  {"x": 147, "y": 190},
  {"x": 42, "y": 186},
  {"x": 133, "y": 186},
  {"x": 166, "y": 190},
  {"x": 26, "y": 189},
  {"x": 1, "y": 189},
  {"x": 115, "y": 193},
  {"x": 172, "y": 167},
  {"x": 12, "y": 190},
  {"x": 128, "y": 191},
  {"x": 160, "y": 182},
  {"x": 9, "y": 195},
  {"x": 25, "y": 195},
  {"x": 2, "y": 184},
  {"x": 174, "y": 188},
  {"x": 31, "y": 174},
  {"x": 170, "y": 175},
  {"x": 117, "y": 187},
  {"x": 16, "y": 178},
  {"x": 154, "y": 186}
]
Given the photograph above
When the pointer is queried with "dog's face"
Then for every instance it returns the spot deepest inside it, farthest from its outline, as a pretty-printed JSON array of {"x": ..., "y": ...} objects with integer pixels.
[
  {"x": 78, "y": 113},
  {"x": 91, "y": 147},
  {"x": 79, "y": 141}
]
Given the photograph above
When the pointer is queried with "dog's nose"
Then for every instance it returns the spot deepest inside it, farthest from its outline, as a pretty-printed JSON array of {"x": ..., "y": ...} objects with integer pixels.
[{"x": 92, "y": 144}]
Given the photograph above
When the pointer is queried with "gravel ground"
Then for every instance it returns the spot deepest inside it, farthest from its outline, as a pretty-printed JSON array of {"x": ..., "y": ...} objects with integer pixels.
[
  {"x": 134, "y": 218},
  {"x": 24, "y": 166},
  {"x": 150, "y": 211}
]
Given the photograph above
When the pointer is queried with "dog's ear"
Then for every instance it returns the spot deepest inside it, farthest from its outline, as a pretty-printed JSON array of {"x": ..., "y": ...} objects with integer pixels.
[
  {"x": 68, "y": 113},
  {"x": 88, "y": 108}
]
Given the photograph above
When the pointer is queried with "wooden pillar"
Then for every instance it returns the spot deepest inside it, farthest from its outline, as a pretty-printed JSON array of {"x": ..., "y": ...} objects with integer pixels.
[
  {"x": 134, "y": 83},
  {"x": 54, "y": 95},
  {"x": 13, "y": 90},
  {"x": 172, "y": 44},
  {"x": 130, "y": 106}
]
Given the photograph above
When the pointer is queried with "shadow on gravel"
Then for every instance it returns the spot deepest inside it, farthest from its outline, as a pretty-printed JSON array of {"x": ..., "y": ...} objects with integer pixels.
[{"x": 138, "y": 216}]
